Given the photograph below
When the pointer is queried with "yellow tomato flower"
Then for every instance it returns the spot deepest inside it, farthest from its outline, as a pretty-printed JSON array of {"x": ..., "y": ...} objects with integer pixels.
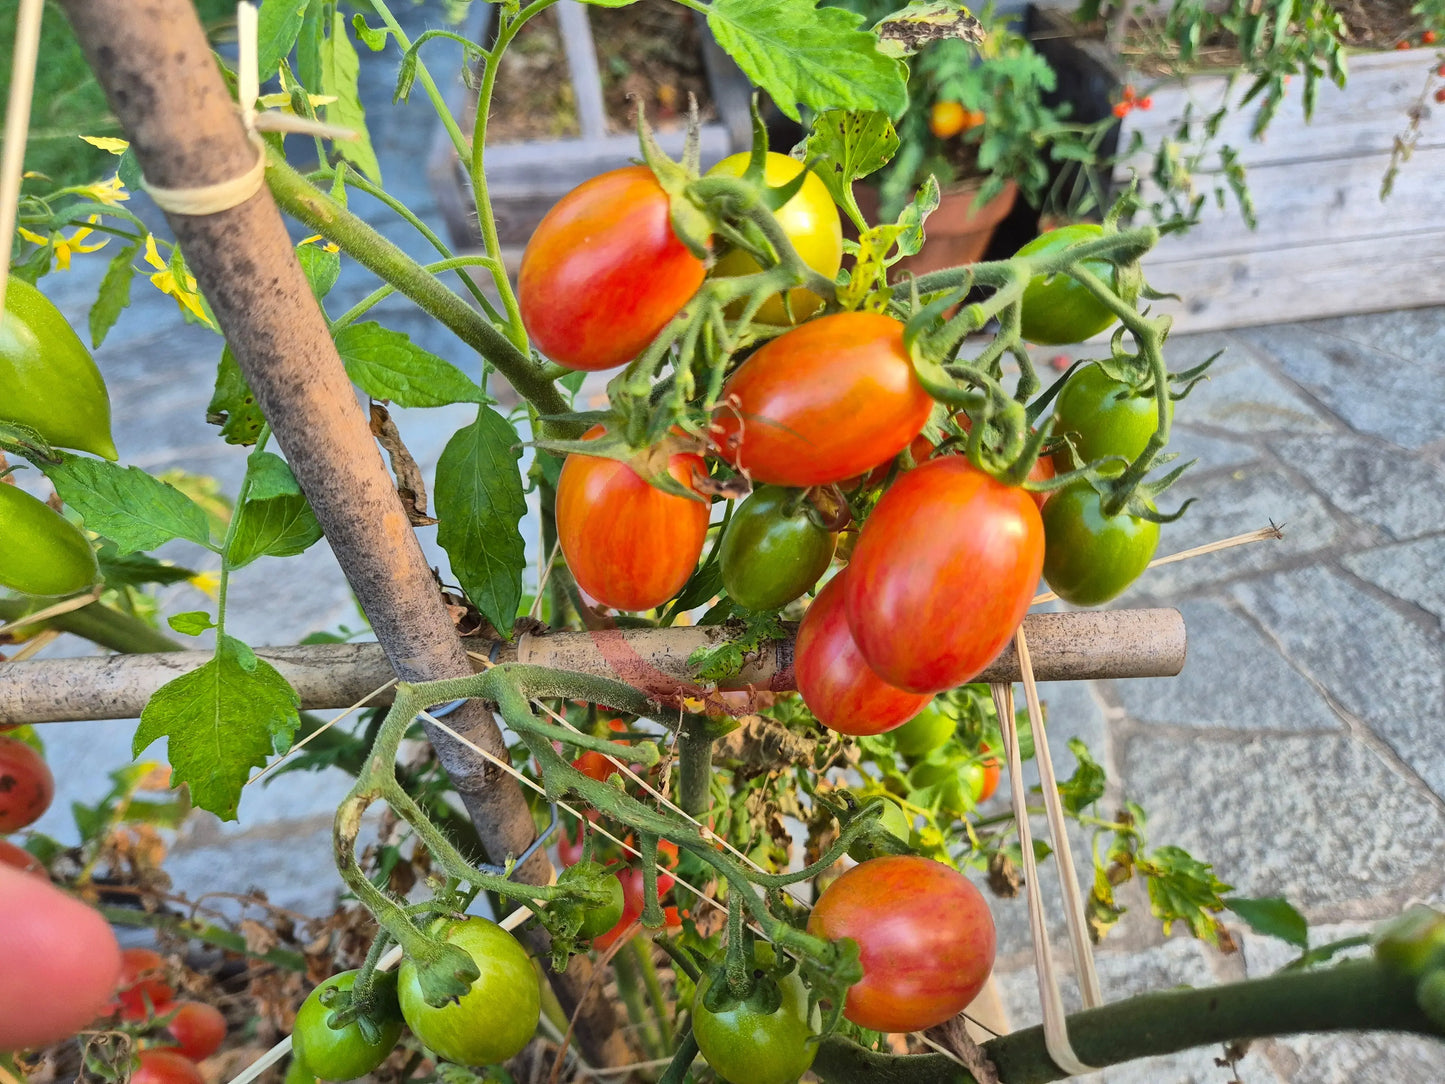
[
  {"x": 164, "y": 280},
  {"x": 65, "y": 247},
  {"x": 108, "y": 192}
]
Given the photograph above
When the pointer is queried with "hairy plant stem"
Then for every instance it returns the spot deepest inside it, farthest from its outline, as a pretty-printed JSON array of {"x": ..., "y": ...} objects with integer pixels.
[
  {"x": 694, "y": 757},
  {"x": 309, "y": 205},
  {"x": 1358, "y": 995}
]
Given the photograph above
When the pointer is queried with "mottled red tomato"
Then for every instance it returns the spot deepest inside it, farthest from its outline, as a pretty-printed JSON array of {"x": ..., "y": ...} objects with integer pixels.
[
  {"x": 629, "y": 545},
  {"x": 161, "y": 1066},
  {"x": 925, "y": 940},
  {"x": 942, "y": 574},
  {"x": 826, "y": 401},
  {"x": 992, "y": 770},
  {"x": 596, "y": 765},
  {"x": 603, "y": 273},
  {"x": 835, "y": 682},
  {"x": 26, "y": 785},
  {"x": 198, "y": 1029}
]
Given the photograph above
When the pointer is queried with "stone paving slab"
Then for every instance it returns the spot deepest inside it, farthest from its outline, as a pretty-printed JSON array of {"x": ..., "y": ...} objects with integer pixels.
[
  {"x": 1379, "y": 664},
  {"x": 1410, "y": 572}
]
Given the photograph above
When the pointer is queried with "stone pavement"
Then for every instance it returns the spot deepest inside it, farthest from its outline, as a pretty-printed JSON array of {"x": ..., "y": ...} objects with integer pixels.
[{"x": 1302, "y": 750}]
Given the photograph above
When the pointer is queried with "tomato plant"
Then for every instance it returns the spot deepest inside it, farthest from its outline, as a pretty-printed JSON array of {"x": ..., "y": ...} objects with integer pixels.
[
  {"x": 894, "y": 821},
  {"x": 810, "y": 221},
  {"x": 1091, "y": 558},
  {"x": 1104, "y": 416},
  {"x": 629, "y": 545},
  {"x": 764, "y": 1038},
  {"x": 771, "y": 552},
  {"x": 631, "y": 880},
  {"x": 198, "y": 1029},
  {"x": 41, "y": 552},
  {"x": 48, "y": 380},
  {"x": 26, "y": 785},
  {"x": 1056, "y": 309},
  {"x": 604, "y": 272},
  {"x": 833, "y": 679},
  {"x": 159, "y": 1065},
  {"x": 343, "y": 1053},
  {"x": 942, "y": 575},
  {"x": 826, "y": 401},
  {"x": 493, "y": 1020},
  {"x": 596, "y": 765},
  {"x": 925, "y": 939}
]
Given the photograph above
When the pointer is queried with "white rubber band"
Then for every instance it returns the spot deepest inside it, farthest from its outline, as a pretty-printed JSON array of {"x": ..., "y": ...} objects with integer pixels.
[{"x": 212, "y": 199}]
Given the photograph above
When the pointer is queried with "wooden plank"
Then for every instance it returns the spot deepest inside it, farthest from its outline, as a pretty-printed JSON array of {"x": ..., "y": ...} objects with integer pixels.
[
  {"x": 582, "y": 66},
  {"x": 1317, "y": 203},
  {"x": 1363, "y": 118},
  {"x": 1278, "y": 285}
]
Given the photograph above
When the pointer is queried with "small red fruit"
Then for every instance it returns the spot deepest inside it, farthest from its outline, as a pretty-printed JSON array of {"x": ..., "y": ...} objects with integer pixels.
[
  {"x": 142, "y": 980},
  {"x": 198, "y": 1028},
  {"x": 1145, "y": 103},
  {"x": 1402, "y": 45},
  {"x": 161, "y": 1066},
  {"x": 1429, "y": 37},
  {"x": 23, "y": 860},
  {"x": 1440, "y": 95},
  {"x": 1121, "y": 110}
]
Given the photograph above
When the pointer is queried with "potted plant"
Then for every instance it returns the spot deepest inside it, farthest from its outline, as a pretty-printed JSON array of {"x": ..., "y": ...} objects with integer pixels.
[{"x": 979, "y": 121}]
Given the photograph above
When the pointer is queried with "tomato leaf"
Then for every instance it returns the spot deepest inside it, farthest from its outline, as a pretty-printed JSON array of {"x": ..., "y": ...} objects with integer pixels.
[
  {"x": 221, "y": 721},
  {"x": 727, "y": 658},
  {"x": 114, "y": 294},
  {"x": 1183, "y": 889},
  {"x": 233, "y": 405},
  {"x": 127, "y": 505},
  {"x": 269, "y": 476},
  {"x": 480, "y": 505},
  {"x": 136, "y": 569},
  {"x": 800, "y": 53},
  {"x": 845, "y": 146},
  {"x": 340, "y": 67},
  {"x": 1273, "y": 917},
  {"x": 321, "y": 267},
  {"x": 278, "y": 27},
  {"x": 191, "y": 623},
  {"x": 388, "y": 365},
  {"x": 1086, "y": 785},
  {"x": 279, "y": 527}
]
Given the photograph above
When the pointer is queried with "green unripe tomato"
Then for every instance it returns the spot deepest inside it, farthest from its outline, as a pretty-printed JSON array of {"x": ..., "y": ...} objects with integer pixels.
[
  {"x": 1414, "y": 942},
  {"x": 341, "y": 1053},
  {"x": 1430, "y": 996},
  {"x": 48, "y": 380},
  {"x": 892, "y": 820},
  {"x": 1104, "y": 417},
  {"x": 493, "y": 1020},
  {"x": 41, "y": 552},
  {"x": 925, "y": 732},
  {"x": 1056, "y": 309},
  {"x": 602, "y": 918},
  {"x": 1090, "y": 558},
  {"x": 769, "y": 557},
  {"x": 761, "y": 1040},
  {"x": 810, "y": 220}
]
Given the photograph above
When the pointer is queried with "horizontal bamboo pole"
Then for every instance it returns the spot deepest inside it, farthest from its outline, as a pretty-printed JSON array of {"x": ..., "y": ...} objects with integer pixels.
[{"x": 1063, "y": 646}]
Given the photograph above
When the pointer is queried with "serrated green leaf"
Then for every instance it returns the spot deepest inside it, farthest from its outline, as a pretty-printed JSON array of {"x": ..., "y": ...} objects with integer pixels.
[
  {"x": 221, "y": 721},
  {"x": 269, "y": 476},
  {"x": 1273, "y": 917},
  {"x": 387, "y": 365},
  {"x": 845, "y": 146},
  {"x": 321, "y": 268},
  {"x": 802, "y": 54},
  {"x": 340, "y": 68},
  {"x": 310, "y": 44},
  {"x": 278, "y": 26},
  {"x": 128, "y": 170},
  {"x": 1182, "y": 888},
  {"x": 278, "y": 527},
  {"x": 127, "y": 505},
  {"x": 114, "y": 294},
  {"x": 137, "y": 569},
  {"x": 233, "y": 404},
  {"x": 191, "y": 623},
  {"x": 480, "y": 504}
]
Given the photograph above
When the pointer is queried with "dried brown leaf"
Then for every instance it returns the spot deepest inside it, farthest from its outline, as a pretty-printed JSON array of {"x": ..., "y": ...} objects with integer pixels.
[{"x": 410, "y": 483}]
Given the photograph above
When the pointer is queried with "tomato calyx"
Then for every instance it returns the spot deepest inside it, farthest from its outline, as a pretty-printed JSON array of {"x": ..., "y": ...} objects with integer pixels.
[
  {"x": 370, "y": 1003},
  {"x": 691, "y": 224},
  {"x": 649, "y": 461}
]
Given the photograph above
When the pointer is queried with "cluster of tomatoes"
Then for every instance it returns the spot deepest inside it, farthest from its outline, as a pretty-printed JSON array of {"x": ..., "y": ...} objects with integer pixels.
[
  {"x": 182, "y": 1033},
  {"x": 1130, "y": 102},
  {"x": 947, "y": 119},
  {"x": 488, "y": 1024},
  {"x": 943, "y": 568}
]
